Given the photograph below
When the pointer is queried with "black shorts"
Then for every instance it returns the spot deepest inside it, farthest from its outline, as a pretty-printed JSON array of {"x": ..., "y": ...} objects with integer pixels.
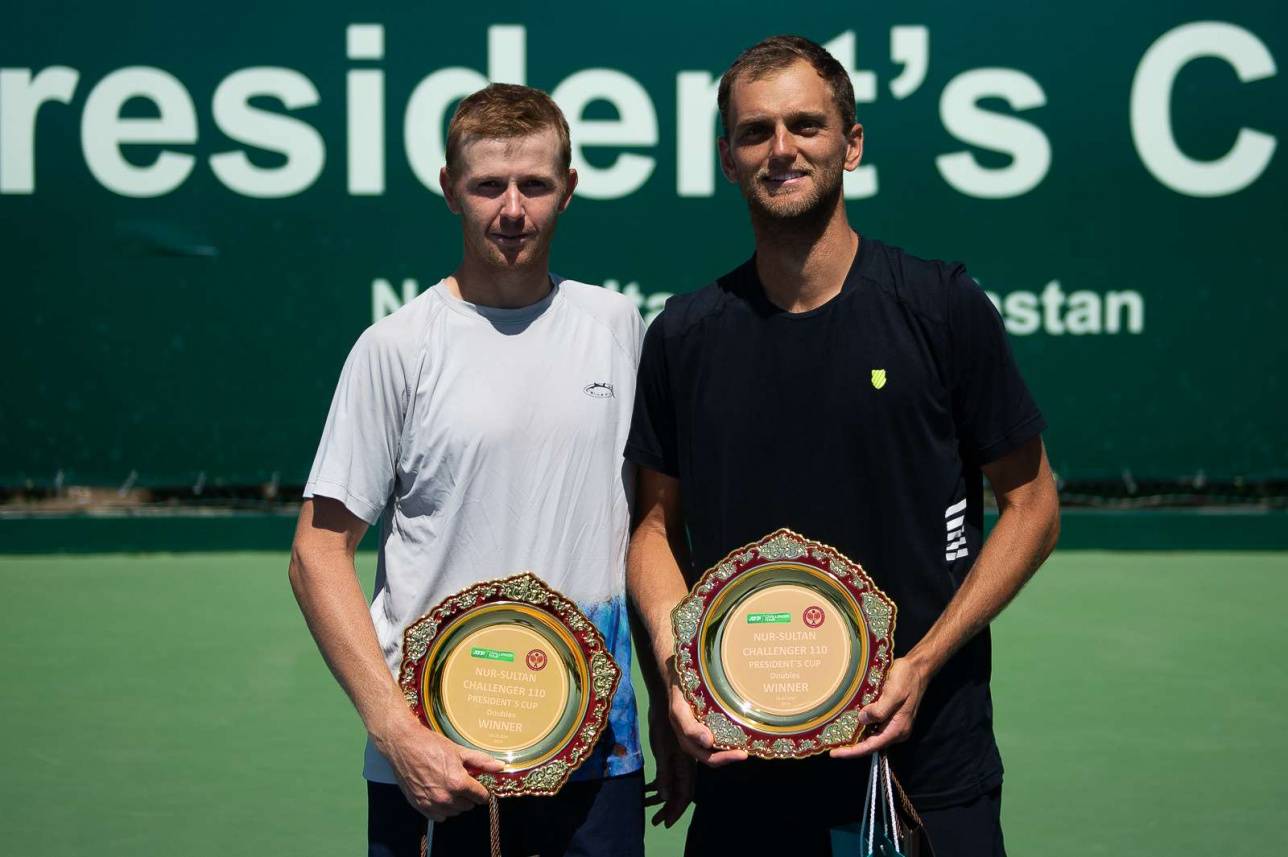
[
  {"x": 586, "y": 819},
  {"x": 972, "y": 829}
]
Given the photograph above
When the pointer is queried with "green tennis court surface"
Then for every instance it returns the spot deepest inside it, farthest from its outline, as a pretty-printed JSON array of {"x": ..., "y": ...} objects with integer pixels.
[{"x": 165, "y": 704}]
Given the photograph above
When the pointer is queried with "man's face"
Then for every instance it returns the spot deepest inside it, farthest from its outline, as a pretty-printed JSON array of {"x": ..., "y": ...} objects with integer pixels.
[
  {"x": 786, "y": 147},
  {"x": 509, "y": 194}
]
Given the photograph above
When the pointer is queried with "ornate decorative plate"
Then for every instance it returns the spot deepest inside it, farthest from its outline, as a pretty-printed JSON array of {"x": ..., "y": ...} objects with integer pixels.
[
  {"x": 514, "y": 669},
  {"x": 780, "y": 644}
]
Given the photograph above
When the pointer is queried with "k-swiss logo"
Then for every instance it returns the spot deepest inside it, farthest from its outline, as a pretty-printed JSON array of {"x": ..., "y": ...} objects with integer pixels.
[
  {"x": 878, "y": 378},
  {"x": 536, "y": 660},
  {"x": 813, "y": 616},
  {"x": 599, "y": 390}
]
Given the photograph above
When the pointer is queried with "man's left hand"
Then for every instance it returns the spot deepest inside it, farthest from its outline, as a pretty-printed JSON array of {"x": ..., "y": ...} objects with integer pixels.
[
  {"x": 890, "y": 718},
  {"x": 672, "y": 790}
]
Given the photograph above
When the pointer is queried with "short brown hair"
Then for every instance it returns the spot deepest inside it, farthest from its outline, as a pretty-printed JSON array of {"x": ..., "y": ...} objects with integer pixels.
[
  {"x": 777, "y": 53},
  {"x": 505, "y": 111}
]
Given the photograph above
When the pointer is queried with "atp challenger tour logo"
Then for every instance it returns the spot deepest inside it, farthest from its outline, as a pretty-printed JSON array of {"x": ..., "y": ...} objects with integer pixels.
[
  {"x": 768, "y": 618},
  {"x": 262, "y": 122}
]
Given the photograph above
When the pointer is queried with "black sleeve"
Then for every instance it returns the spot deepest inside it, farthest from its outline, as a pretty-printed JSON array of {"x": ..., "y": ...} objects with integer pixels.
[
  {"x": 652, "y": 440},
  {"x": 992, "y": 407}
]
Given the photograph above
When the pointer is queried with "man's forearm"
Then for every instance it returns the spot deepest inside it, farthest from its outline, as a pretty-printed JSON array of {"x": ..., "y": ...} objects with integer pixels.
[
  {"x": 656, "y": 585},
  {"x": 1022, "y": 539},
  {"x": 331, "y": 599},
  {"x": 654, "y": 681}
]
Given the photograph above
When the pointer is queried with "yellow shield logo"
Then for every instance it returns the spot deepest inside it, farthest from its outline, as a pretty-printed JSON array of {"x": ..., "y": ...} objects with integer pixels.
[{"x": 878, "y": 378}]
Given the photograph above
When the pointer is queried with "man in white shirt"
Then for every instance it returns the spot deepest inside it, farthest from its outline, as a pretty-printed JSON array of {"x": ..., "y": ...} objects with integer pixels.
[{"x": 486, "y": 420}]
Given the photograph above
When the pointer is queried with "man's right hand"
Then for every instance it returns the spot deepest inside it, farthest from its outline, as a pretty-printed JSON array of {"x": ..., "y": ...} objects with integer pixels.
[
  {"x": 436, "y": 774},
  {"x": 695, "y": 738}
]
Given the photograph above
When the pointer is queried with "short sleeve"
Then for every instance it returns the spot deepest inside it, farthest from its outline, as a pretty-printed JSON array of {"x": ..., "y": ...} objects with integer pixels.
[
  {"x": 357, "y": 457},
  {"x": 634, "y": 335},
  {"x": 652, "y": 441},
  {"x": 992, "y": 407}
]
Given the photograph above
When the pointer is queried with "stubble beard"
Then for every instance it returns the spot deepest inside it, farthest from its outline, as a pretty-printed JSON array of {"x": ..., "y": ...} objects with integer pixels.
[
  {"x": 798, "y": 210},
  {"x": 529, "y": 256}
]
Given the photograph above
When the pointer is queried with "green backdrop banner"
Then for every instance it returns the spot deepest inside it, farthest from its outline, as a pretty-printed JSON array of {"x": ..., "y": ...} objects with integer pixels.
[{"x": 203, "y": 208}]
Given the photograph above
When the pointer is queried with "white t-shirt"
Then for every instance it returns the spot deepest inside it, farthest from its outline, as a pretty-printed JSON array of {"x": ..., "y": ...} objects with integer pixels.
[{"x": 493, "y": 439}]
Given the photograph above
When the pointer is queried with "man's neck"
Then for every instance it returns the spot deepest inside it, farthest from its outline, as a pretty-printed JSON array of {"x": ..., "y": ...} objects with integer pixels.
[
  {"x": 802, "y": 265},
  {"x": 487, "y": 285}
]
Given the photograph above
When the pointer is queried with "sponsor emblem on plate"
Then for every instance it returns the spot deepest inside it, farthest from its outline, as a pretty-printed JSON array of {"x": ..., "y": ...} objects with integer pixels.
[{"x": 813, "y": 616}]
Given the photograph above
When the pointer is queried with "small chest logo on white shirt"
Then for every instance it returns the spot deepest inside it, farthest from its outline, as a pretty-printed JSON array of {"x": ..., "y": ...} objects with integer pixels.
[{"x": 599, "y": 390}]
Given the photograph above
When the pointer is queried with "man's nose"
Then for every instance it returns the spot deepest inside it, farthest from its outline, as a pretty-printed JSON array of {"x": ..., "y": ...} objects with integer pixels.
[
  {"x": 512, "y": 203},
  {"x": 784, "y": 143}
]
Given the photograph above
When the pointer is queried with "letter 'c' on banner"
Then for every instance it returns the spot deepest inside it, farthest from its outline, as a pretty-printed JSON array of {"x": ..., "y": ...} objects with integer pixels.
[{"x": 1151, "y": 116}]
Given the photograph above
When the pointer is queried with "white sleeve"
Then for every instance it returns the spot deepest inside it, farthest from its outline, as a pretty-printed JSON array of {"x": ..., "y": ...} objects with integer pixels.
[{"x": 356, "y": 461}]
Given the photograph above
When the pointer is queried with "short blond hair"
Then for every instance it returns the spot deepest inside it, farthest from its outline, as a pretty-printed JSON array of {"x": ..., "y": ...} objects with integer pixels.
[{"x": 504, "y": 111}]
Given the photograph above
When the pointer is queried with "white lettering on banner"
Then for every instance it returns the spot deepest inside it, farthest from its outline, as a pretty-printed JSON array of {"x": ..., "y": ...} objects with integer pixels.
[
  {"x": 104, "y": 131},
  {"x": 635, "y": 125},
  {"x": 173, "y": 121},
  {"x": 910, "y": 48},
  {"x": 365, "y": 98},
  {"x": 695, "y": 133},
  {"x": 1052, "y": 311},
  {"x": 21, "y": 96},
  {"x": 1055, "y": 312},
  {"x": 298, "y": 141},
  {"x": 1151, "y": 109},
  {"x": 1025, "y": 143},
  {"x": 507, "y": 53},
  {"x": 385, "y": 301}
]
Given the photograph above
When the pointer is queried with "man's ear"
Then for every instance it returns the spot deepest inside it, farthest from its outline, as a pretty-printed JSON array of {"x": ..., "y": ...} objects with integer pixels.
[
  {"x": 726, "y": 161},
  {"x": 449, "y": 194},
  {"x": 569, "y": 187},
  {"x": 854, "y": 147}
]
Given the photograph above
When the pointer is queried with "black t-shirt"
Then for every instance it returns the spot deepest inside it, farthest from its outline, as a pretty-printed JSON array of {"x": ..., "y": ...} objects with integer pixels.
[{"x": 861, "y": 424}]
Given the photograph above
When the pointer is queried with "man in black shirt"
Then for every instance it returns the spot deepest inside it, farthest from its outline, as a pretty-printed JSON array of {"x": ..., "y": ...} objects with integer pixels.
[{"x": 842, "y": 388}]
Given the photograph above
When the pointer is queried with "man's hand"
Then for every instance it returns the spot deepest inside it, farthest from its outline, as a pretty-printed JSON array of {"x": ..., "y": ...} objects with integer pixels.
[
  {"x": 1027, "y": 527},
  {"x": 893, "y": 713},
  {"x": 693, "y": 737},
  {"x": 673, "y": 786},
  {"x": 435, "y": 774}
]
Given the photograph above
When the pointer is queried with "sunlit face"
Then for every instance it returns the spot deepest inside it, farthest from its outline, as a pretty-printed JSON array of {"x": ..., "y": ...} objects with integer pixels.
[
  {"x": 509, "y": 194},
  {"x": 787, "y": 149}
]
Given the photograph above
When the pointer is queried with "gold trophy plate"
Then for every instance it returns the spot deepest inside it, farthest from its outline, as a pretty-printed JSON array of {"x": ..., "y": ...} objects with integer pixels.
[
  {"x": 514, "y": 669},
  {"x": 779, "y": 646}
]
